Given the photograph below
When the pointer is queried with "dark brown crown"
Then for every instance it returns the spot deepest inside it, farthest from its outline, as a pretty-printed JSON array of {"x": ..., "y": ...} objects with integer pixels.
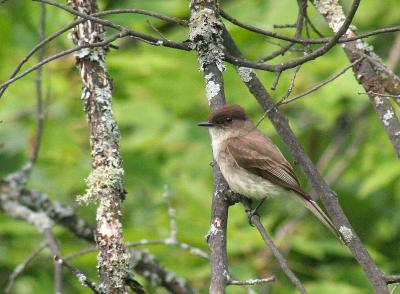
[{"x": 228, "y": 111}]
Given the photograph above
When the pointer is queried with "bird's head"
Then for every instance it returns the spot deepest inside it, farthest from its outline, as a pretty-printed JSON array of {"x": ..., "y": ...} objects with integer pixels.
[{"x": 226, "y": 116}]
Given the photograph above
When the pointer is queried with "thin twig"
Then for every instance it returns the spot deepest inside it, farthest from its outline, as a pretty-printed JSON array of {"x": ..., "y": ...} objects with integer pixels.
[
  {"x": 61, "y": 54},
  {"x": 319, "y": 86},
  {"x": 83, "y": 279},
  {"x": 276, "y": 80},
  {"x": 22, "y": 266},
  {"x": 156, "y": 30},
  {"x": 251, "y": 281},
  {"x": 314, "y": 28},
  {"x": 73, "y": 24},
  {"x": 278, "y": 52},
  {"x": 307, "y": 41},
  {"x": 52, "y": 244},
  {"x": 293, "y": 63},
  {"x": 284, "y": 26},
  {"x": 39, "y": 97},
  {"x": 123, "y": 33},
  {"x": 171, "y": 240},
  {"x": 40, "y": 210},
  {"x": 143, "y": 37},
  {"x": 292, "y": 80},
  {"x": 255, "y": 220}
]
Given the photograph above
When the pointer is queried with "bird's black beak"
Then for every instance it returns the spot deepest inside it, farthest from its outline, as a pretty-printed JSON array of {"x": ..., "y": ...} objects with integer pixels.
[{"x": 205, "y": 124}]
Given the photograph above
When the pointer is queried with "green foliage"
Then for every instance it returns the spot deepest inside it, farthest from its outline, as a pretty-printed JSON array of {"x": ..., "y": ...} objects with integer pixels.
[{"x": 158, "y": 98}]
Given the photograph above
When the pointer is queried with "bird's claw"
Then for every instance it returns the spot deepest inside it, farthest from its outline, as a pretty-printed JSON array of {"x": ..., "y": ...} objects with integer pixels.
[{"x": 250, "y": 214}]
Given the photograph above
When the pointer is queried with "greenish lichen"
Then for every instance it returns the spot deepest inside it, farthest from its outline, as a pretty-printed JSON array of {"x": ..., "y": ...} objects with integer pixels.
[
  {"x": 101, "y": 180},
  {"x": 205, "y": 34}
]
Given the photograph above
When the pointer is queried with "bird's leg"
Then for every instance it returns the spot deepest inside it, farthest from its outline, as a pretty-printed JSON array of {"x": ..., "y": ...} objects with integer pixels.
[{"x": 252, "y": 211}]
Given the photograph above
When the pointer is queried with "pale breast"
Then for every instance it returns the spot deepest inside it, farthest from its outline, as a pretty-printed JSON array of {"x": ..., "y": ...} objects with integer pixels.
[{"x": 241, "y": 181}]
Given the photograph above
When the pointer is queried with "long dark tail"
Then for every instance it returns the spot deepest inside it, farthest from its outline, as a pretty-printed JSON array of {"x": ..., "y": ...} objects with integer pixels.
[{"x": 318, "y": 212}]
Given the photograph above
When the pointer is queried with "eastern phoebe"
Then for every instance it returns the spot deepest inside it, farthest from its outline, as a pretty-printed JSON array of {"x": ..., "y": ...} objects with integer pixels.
[{"x": 251, "y": 164}]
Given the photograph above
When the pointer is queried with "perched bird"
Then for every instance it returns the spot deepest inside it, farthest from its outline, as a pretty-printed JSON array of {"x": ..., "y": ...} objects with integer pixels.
[{"x": 251, "y": 164}]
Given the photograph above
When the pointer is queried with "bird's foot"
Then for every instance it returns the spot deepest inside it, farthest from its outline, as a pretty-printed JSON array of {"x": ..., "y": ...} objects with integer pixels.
[
  {"x": 253, "y": 211},
  {"x": 250, "y": 214}
]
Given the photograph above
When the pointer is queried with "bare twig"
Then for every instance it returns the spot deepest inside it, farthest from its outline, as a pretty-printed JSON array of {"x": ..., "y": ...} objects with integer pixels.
[
  {"x": 319, "y": 86},
  {"x": 284, "y": 26},
  {"x": 144, "y": 242},
  {"x": 171, "y": 240},
  {"x": 371, "y": 73},
  {"x": 303, "y": 40},
  {"x": 22, "y": 266},
  {"x": 40, "y": 210},
  {"x": 250, "y": 282},
  {"x": 73, "y": 24},
  {"x": 291, "y": 85},
  {"x": 143, "y": 37},
  {"x": 39, "y": 97},
  {"x": 314, "y": 28},
  {"x": 82, "y": 278},
  {"x": 55, "y": 251},
  {"x": 278, "y": 52},
  {"x": 61, "y": 54},
  {"x": 299, "y": 27},
  {"x": 157, "y": 30},
  {"x": 276, "y": 80},
  {"x": 293, "y": 63},
  {"x": 123, "y": 33},
  {"x": 255, "y": 220}
]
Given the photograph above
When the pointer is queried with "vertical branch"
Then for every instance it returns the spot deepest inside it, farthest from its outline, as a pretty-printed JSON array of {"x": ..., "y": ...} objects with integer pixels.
[
  {"x": 372, "y": 74},
  {"x": 205, "y": 34},
  {"x": 328, "y": 196},
  {"x": 27, "y": 168},
  {"x": 55, "y": 251},
  {"x": 105, "y": 183}
]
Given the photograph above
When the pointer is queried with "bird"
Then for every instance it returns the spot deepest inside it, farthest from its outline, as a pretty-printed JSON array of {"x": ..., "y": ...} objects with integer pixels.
[{"x": 251, "y": 163}]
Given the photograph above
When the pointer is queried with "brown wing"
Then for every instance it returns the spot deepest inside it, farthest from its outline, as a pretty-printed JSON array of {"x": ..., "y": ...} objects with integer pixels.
[{"x": 260, "y": 156}]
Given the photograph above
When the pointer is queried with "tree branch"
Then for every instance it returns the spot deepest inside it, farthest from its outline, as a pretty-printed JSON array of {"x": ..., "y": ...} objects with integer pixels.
[
  {"x": 255, "y": 220},
  {"x": 105, "y": 183},
  {"x": 328, "y": 197},
  {"x": 368, "y": 72},
  {"x": 306, "y": 41},
  {"x": 205, "y": 33},
  {"x": 55, "y": 251},
  {"x": 22, "y": 266},
  {"x": 53, "y": 36},
  {"x": 44, "y": 208},
  {"x": 83, "y": 279}
]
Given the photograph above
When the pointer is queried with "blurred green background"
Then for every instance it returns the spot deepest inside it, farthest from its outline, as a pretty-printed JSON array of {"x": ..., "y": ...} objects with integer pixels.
[{"x": 158, "y": 98}]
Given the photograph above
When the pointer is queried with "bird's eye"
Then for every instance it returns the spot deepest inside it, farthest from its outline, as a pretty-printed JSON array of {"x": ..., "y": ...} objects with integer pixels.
[{"x": 228, "y": 119}]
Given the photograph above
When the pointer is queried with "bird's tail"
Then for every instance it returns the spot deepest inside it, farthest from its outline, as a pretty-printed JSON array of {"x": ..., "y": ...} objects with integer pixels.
[{"x": 319, "y": 213}]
